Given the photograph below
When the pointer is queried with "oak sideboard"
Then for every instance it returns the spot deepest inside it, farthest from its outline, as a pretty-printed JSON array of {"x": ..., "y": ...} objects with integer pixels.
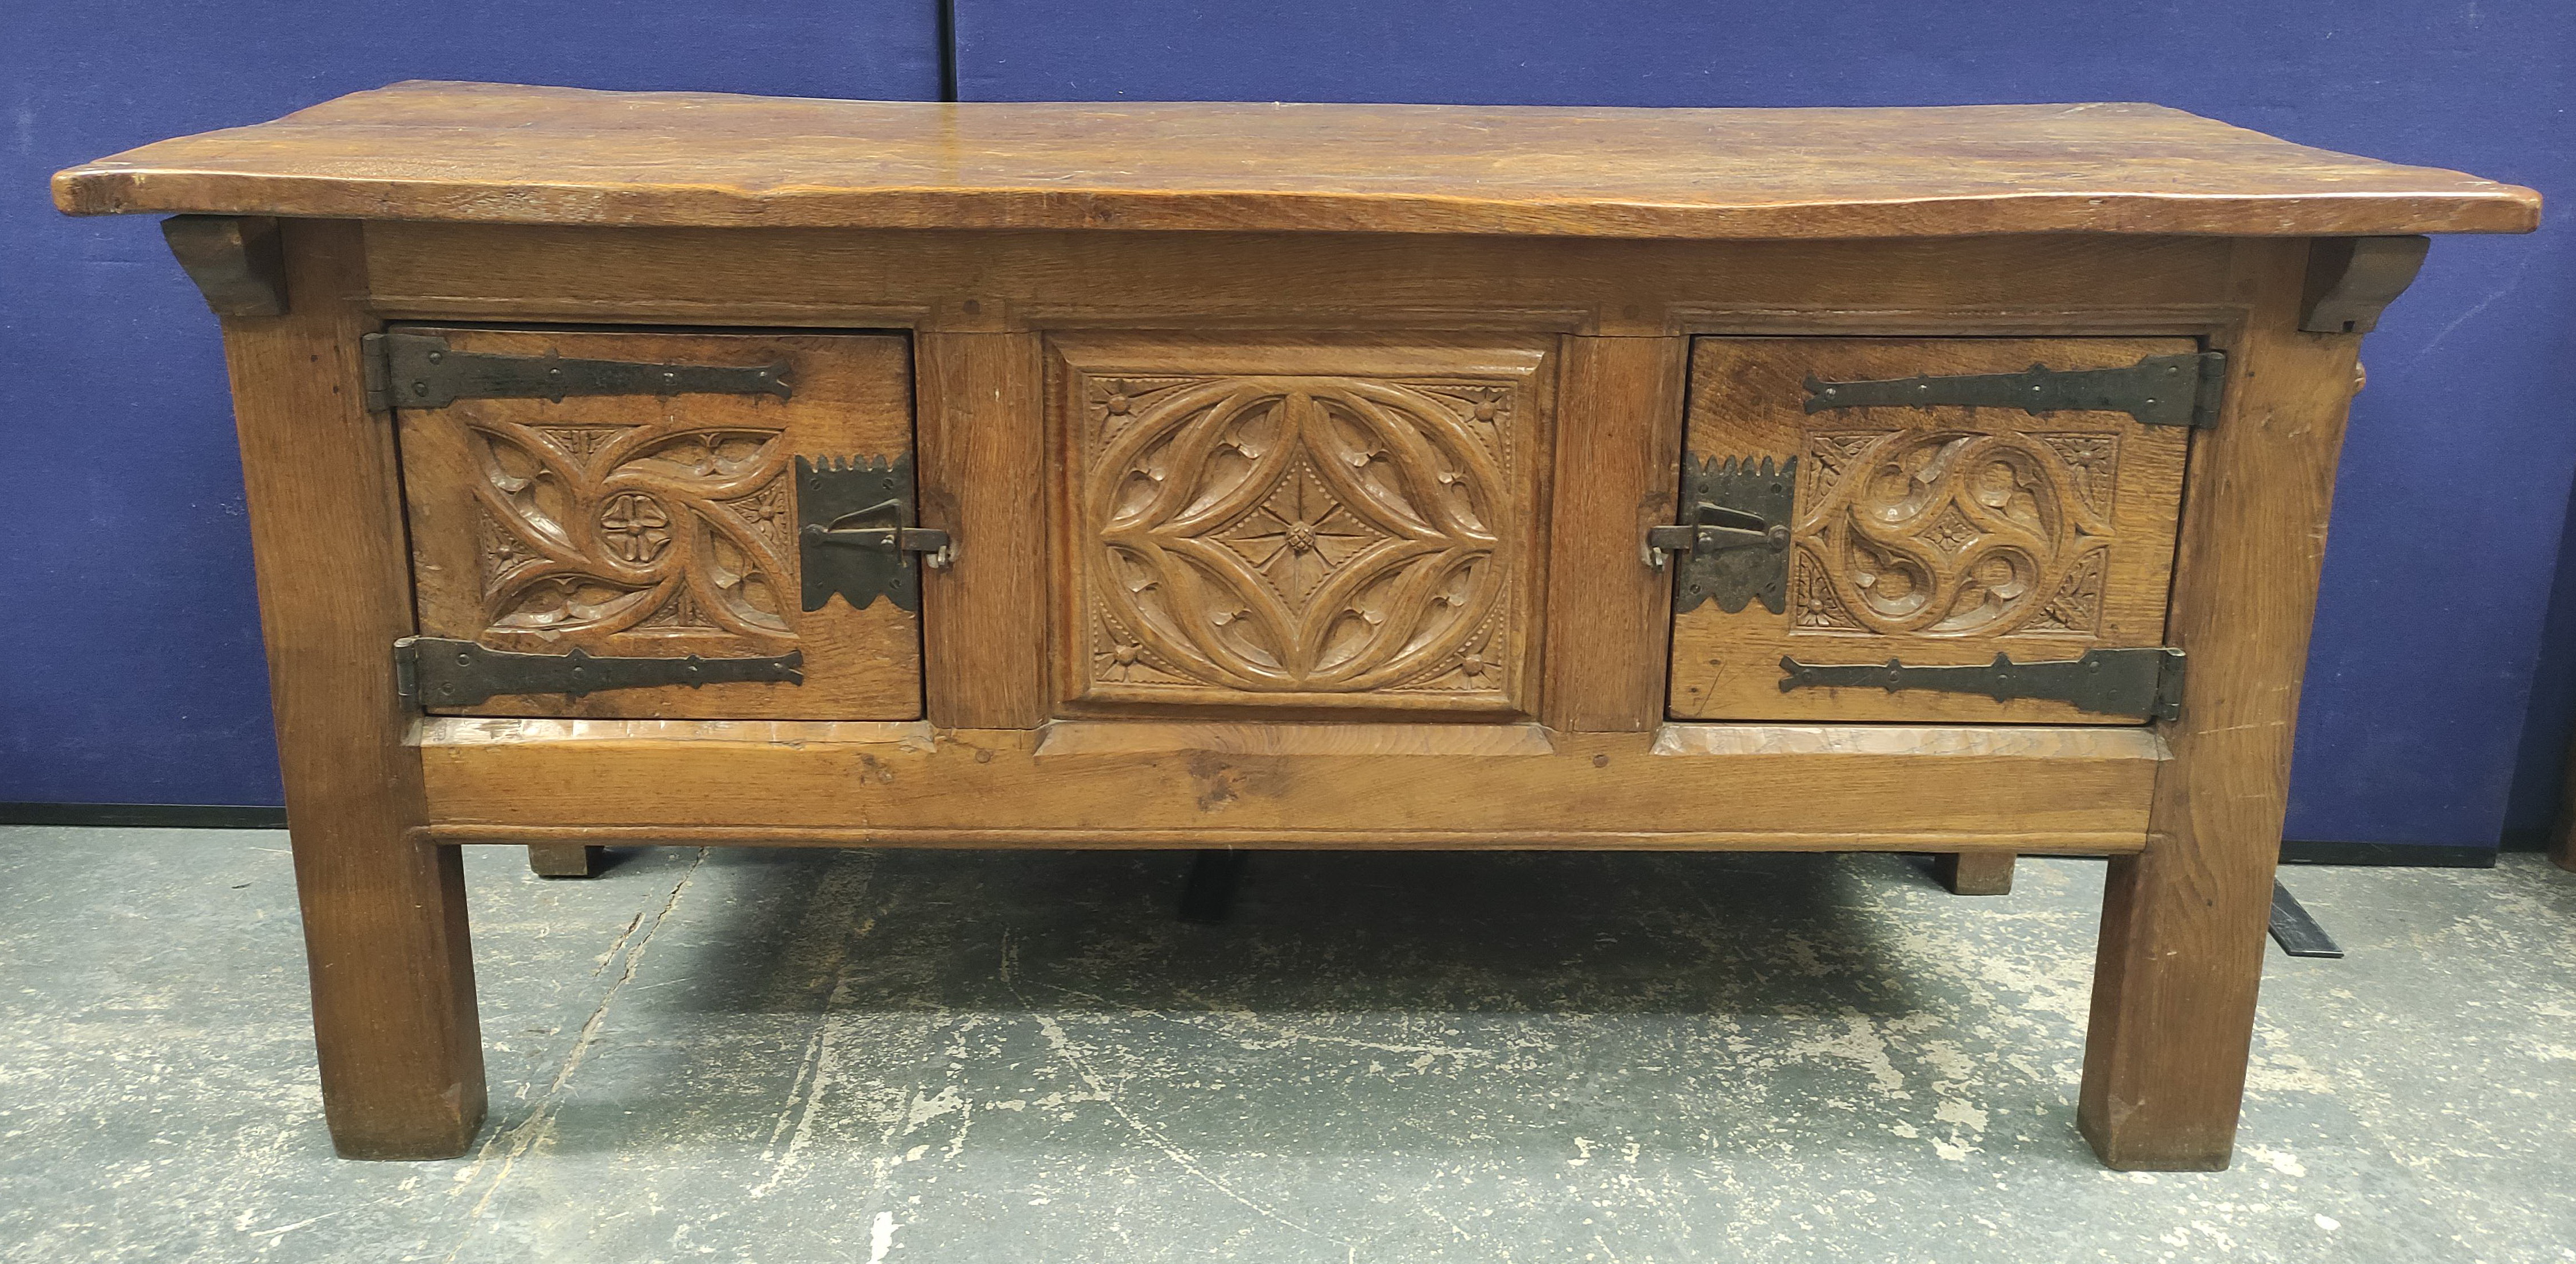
[{"x": 655, "y": 468}]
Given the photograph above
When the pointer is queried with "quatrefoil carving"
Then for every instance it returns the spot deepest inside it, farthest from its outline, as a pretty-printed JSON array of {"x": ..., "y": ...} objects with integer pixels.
[{"x": 1300, "y": 534}]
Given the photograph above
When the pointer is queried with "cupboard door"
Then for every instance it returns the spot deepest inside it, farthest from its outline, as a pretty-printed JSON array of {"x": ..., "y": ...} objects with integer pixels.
[
  {"x": 1938, "y": 535},
  {"x": 659, "y": 526},
  {"x": 1334, "y": 522}
]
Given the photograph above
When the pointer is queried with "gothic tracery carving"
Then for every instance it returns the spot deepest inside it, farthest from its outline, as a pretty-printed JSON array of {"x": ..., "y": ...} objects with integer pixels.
[
  {"x": 1954, "y": 533},
  {"x": 603, "y": 530},
  {"x": 1301, "y": 534}
]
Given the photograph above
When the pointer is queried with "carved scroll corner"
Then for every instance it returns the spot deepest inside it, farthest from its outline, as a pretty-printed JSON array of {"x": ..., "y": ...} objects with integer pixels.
[
  {"x": 237, "y": 261},
  {"x": 2351, "y": 280}
]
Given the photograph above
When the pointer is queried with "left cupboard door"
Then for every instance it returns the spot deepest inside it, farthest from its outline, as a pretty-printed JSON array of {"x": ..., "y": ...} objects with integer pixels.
[{"x": 652, "y": 513}]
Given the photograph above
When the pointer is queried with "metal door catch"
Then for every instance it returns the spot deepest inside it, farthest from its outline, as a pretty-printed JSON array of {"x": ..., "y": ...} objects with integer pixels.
[
  {"x": 855, "y": 534},
  {"x": 1734, "y": 534}
]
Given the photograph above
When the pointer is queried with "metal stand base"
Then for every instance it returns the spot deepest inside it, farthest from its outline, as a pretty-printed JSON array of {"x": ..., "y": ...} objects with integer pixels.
[{"x": 2297, "y": 933}]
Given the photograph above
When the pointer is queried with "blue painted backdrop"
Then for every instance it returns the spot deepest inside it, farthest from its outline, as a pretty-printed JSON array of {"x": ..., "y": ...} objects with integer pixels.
[
  {"x": 130, "y": 667},
  {"x": 123, "y": 509}
]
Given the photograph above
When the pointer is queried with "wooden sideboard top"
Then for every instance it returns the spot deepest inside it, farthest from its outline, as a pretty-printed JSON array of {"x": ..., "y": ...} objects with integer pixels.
[{"x": 500, "y": 153}]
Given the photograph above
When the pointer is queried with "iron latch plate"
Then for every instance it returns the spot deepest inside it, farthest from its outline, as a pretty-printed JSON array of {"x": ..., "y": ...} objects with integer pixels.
[
  {"x": 410, "y": 369},
  {"x": 855, "y": 533},
  {"x": 432, "y": 671},
  {"x": 2168, "y": 390},
  {"x": 1733, "y": 539},
  {"x": 2144, "y": 683}
]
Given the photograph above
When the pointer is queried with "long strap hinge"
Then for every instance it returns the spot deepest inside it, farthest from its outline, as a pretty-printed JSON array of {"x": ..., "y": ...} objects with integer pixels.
[
  {"x": 2167, "y": 390},
  {"x": 2142, "y": 683},
  {"x": 411, "y": 368},
  {"x": 432, "y": 671}
]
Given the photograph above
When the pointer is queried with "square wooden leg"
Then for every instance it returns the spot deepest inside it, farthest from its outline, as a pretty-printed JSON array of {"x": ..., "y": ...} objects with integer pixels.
[
  {"x": 563, "y": 860},
  {"x": 1975, "y": 872},
  {"x": 384, "y": 916},
  {"x": 2173, "y": 1016},
  {"x": 2181, "y": 953},
  {"x": 1209, "y": 894},
  {"x": 394, "y": 1025}
]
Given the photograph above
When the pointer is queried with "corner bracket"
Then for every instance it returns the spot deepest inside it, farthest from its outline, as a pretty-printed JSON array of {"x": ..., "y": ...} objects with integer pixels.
[
  {"x": 236, "y": 261},
  {"x": 2351, "y": 280}
]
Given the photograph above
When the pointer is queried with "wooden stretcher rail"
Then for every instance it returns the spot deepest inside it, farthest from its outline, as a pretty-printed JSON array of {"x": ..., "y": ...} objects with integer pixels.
[{"x": 1152, "y": 784}]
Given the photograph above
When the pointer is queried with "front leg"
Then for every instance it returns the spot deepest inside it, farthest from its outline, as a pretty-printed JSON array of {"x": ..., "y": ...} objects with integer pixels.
[
  {"x": 384, "y": 916},
  {"x": 393, "y": 989},
  {"x": 2183, "y": 921}
]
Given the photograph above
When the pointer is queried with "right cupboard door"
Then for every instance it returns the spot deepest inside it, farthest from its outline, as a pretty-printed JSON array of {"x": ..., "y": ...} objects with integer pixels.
[{"x": 1928, "y": 523}]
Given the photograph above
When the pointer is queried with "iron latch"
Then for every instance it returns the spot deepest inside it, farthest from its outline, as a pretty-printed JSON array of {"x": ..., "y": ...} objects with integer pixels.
[
  {"x": 407, "y": 368},
  {"x": 1734, "y": 534},
  {"x": 434, "y": 671},
  {"x": 2145, "y": 683},
  {"x": 855, "y": 534},
  {"x": 2169, "y": 390}
]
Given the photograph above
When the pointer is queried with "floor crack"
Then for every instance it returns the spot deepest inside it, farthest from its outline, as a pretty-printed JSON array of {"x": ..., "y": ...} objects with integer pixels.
[{"x": 519, "y": 1138}]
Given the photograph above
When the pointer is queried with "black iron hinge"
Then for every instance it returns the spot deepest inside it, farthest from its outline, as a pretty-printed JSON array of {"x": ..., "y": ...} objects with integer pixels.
[
  {"x": 2144, "y": 683},
  {"x": 1733, "y": 538},
  {"x": 434, "y": 671},
  {"x": 855, "y": 534},
  {"x": 407, "y": 368},
  {"x": 2169, "y": 390}
]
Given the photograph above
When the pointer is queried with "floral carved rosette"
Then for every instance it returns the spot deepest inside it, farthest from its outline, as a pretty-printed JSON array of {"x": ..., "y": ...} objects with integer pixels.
[{"x": 598, "y": 531}]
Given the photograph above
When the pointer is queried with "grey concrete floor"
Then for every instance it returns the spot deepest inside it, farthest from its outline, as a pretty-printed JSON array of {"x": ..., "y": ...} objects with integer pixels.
[{"x": 783, "y": 1056}]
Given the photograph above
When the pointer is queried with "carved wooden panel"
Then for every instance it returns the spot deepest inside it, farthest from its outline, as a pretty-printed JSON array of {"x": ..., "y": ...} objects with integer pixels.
[
  {"x": 644, "y": 526},
  {"x": 1939, "y": 535},
  {"x": 1325, "y": 523}
]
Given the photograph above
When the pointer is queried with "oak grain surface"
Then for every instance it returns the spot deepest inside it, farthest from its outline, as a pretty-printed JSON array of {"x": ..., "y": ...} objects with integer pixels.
[
  {"x": 1934, "y": 535},
  {"x": 1609, "y": 611},
  {"x": 660, "y": 526},
  {"x": 1213, "y": 784},
  {"x": 2183, "y": 922},
  {"x": 982, "y": 480},
  {"x": 1312, "y": 521},
  {"x": 985, "y": 282},
  {"x": 394, "y": 1024},
  {"x": 516, "y": 154},
  {"x": 1969, "y": 872}
]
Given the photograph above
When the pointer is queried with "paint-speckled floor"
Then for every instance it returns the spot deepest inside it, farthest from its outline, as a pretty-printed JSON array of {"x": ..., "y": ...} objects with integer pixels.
[{"x": 784, "y": 1056}]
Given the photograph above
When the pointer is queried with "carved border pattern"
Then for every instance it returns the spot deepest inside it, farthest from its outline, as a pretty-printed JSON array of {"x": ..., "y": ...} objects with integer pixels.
[
  {"x": 1954, "y": 533},
  {"x": 587, "y": 532},
  {"x": 1299, "y": 534}
]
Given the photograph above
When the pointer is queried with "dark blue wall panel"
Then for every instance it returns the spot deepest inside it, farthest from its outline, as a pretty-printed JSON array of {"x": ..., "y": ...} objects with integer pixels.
[
  {"x": 129, "y": 647},
  {"x": 2540, "y": 774},
  {"x": 2455, "y": 483}
]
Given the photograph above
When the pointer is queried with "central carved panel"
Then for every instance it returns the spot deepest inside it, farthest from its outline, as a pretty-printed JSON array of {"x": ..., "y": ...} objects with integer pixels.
[{"x": 1322, "y": 538}]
